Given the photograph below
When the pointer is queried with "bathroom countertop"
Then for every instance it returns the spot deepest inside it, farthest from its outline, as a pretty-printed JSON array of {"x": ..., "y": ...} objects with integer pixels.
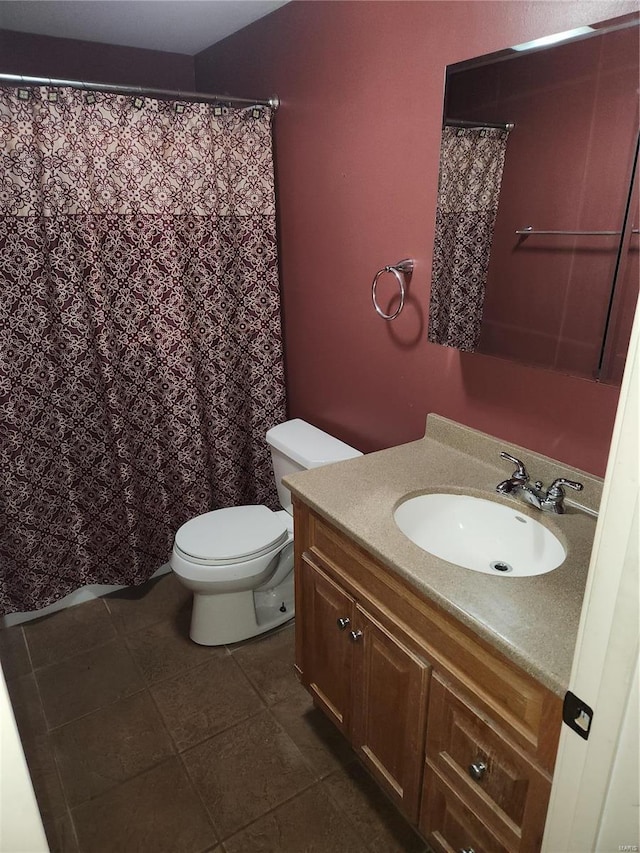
[{"x": 532, "y": 620}]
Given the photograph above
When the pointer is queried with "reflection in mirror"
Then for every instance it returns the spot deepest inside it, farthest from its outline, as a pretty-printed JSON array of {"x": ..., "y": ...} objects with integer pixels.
[{"x": 560, "y": 285}]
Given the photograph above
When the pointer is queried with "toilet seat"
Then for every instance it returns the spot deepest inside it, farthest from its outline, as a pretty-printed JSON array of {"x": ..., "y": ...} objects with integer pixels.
[{"x": 232, "y": 535}]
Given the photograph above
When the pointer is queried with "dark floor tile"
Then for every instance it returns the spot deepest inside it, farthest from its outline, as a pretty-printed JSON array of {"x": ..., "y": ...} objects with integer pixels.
[
  {"x": 324, "y": 748},
  {"x": 156, "y": 812},
  {"x": 32, "y": 728},
  {"x": 246, "y": 771},
  {"x": 165, "y": 649},
  {"x": 86, "y": 682},
  {"x": 376, "y": 820},
  {"x": 107, "y": 747},
  {"x": 138, "y": 607},
  {"x": 45, "y": 778},
  {"x": 76, "y": 629},
  {"x": 206, "y": 700},
  {"x": 27, "y": 707},
  {"x": 13, "y": 653},
  {"x": 269, "y": 664},
  {"x": 309, "y": 823}
]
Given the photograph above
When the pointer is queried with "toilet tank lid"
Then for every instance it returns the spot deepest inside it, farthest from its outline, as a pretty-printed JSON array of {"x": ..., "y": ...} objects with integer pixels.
[{"x": 307, "y": 445}]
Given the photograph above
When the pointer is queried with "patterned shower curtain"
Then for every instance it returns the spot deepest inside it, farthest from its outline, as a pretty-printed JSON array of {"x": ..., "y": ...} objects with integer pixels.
[
  {"x": 140, "y": 344},
  {"x": 471, "y": 166}
]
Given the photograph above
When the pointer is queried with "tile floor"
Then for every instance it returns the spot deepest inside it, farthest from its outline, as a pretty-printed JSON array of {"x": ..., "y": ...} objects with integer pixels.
[{"x": 140, "y": 741}]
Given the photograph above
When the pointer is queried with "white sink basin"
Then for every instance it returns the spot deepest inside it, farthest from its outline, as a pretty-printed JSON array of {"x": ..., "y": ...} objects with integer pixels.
[{"x": 481, "y": 535}]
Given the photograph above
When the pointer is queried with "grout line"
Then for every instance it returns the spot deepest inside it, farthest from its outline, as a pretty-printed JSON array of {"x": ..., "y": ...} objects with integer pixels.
[
  {"x": 255, "y": 686},
  {"x": 210, "y": 736},
  {"x": 304, "y": 790},
  {"x": 74, "y": 655},
  {"x": 216, "y": 829},
  {"x": 54, "y": 729},
  {"x": 164, "y": 760},
  {"x": 52, "y": 752},
  {"x": 121, "y": 632},
  {"x": 305, "y": 761},
  {"x": 379, "y": 789},
  {"x": 233, "y": 725},
  {"x": 73, "y": 824},
  {"x": 340, "y": 766},
  {"x": 257, "y": 638},
  {"x": 313, "y": 780},
  {"x": 184, "y": 669},
  {"x": 179, "y": 752},
  {"x": 121, "y": 781},
  {"x": 39, "y": 694},
  {"x": 26, "y": 644}
]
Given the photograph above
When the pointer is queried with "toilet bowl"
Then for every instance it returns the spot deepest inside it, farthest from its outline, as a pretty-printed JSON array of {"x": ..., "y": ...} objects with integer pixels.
[{"x": 238, "y": 561}]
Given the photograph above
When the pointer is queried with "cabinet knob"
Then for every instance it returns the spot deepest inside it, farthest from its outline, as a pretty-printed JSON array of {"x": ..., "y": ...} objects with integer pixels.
[
  {"x": 355, "y": 635},
  {"x": 467, "y": 850},
  {"x": 342, "y": 622},
  {"x": 477, "y": 770}
]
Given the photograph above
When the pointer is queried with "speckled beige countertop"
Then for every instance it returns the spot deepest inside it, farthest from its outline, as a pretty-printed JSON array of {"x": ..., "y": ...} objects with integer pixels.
[{"x": 532, "y": 620}]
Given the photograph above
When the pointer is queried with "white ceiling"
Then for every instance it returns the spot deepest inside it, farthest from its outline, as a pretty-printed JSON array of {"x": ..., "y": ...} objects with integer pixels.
[{"x": 181, "y": 26}]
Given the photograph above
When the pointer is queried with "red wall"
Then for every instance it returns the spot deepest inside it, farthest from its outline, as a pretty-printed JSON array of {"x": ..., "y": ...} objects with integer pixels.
[
  {"x": 44, "y": 56},
  {"x": 357, "y": 148}
]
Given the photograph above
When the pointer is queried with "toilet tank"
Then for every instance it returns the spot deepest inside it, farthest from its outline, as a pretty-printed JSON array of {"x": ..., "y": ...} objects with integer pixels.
[{"x": 297, "y": 446}]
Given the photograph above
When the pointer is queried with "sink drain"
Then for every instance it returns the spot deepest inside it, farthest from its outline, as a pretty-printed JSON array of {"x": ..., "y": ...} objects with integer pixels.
[{"x": 499, "y": 566}]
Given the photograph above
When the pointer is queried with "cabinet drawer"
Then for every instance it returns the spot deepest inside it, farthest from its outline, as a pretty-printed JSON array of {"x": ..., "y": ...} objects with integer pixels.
[
  {"x": 449, "y": 825},
  {"x": 502, "y": 785}
]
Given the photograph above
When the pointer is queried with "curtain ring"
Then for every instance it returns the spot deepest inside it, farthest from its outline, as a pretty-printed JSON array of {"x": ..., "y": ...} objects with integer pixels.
[{"x": 399, "y": 270}]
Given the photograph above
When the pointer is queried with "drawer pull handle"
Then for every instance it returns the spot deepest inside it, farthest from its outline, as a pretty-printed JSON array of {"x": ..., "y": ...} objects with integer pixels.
[
  {"x": 342, "y": 622},
  {"x": 477, "y": 770},
  {"x": 355, "y": 635}
]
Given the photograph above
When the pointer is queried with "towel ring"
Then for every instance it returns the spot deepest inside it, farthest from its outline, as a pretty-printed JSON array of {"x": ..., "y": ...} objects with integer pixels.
[{"x": 399, "y": 270}]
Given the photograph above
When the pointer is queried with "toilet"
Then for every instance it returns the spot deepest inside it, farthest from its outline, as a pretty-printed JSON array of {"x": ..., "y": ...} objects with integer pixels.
[{"x": 238, "y": 561}]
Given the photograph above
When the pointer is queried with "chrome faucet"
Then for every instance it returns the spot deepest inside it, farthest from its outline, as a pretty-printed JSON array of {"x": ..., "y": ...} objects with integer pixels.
[{"x": 551, "y": 500}]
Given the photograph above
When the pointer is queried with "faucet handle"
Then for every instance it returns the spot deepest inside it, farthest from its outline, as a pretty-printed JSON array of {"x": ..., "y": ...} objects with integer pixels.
[
  {"x": 521, "y": 472},
  {"x": 555, "y": 490}
]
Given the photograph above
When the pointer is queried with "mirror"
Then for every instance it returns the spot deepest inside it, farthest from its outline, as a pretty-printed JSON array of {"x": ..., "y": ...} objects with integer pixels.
[{"x": 561, "y": 278}]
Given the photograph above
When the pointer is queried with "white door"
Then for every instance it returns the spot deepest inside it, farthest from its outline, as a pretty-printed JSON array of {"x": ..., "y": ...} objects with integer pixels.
[{"x": 594, "y": 798}]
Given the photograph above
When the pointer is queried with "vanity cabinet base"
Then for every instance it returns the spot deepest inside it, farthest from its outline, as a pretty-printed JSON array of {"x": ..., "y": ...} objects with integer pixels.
[{"x": 462, "y": 740}]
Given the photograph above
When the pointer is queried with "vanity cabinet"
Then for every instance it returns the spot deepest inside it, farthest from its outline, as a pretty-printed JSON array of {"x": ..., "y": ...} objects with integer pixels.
[{"x": 462, "y": 740}]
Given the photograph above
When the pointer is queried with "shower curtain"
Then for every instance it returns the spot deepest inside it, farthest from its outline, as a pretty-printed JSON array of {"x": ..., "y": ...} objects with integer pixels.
[
  {"x": 140, "y": 352},
  {"x": 471, "y": 166}
]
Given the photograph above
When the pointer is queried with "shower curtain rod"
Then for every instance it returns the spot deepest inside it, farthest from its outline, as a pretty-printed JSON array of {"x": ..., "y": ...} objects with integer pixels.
[
  {"x": 142, "y": 91},
  {"x": 459, "y": 122}
]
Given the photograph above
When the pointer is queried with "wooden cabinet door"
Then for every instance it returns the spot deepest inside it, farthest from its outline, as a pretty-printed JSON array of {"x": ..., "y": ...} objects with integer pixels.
[
  {"x": 390, "y": 702},
  {"x": 327, "y": 620}
]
